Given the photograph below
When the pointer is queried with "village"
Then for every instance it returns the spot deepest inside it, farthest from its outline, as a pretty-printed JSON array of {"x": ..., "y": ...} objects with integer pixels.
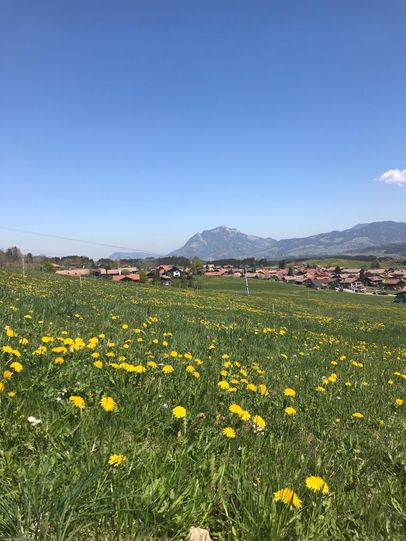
[{"x": 353, "y": 280}]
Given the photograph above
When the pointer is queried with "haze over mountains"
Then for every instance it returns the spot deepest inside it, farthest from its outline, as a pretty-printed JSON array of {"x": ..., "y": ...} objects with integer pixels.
[
  {"x": 377, "y": 238},
  {"x": 223, "y": 243}
]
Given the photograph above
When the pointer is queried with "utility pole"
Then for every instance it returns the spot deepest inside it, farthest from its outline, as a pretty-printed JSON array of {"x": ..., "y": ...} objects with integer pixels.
[{"x": 247, "y": 289}]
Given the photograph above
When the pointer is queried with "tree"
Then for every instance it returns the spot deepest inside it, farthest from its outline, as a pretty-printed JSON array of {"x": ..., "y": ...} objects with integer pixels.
[
  {"x": 197, "y": 266},
  {"x": 290, "y": 271},
  {"x": 143, "y": 277},
  {"x": 282, "y": 264}
]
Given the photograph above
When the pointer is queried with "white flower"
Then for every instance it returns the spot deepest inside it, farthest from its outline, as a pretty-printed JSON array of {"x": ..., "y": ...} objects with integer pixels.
[{"x": 33, "y": 420}]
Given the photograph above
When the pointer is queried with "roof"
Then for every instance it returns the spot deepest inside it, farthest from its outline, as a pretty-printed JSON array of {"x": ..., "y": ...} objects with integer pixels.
[
  {"x": 133, "y": 277},
  {"x": 375, "y": 271},
  {"x": 348, "y": 281}
]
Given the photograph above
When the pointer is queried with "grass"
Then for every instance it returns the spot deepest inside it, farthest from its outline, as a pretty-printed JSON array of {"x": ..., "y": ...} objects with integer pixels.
[
  {"x": 154, "y": 348},
  {"x": 355, "y": 263}
]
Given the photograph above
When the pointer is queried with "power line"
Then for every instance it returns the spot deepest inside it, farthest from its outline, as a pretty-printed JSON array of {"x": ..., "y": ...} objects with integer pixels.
[{"x": 59, "y": 237}]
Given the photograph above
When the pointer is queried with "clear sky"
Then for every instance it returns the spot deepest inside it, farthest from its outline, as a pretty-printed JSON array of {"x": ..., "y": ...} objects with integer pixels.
[{"x": 138, "y": 123}]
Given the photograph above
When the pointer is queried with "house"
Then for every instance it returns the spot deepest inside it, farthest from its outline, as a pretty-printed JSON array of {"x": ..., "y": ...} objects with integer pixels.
[
  {"x": 346, "y": 283},
  {"x": 392, "y": 283},
  {"x": 165, "y": 280},
  {"x": 127, "y": 278},
  {"x": 74, "y": 272},
  {"x": 351, "y": 271},
  {"x": 374, "y": 281},
  {"x": 358, "y": 287},
  {"x": 170, "y": 270},
  {"x": 220, "y": 272},
  {"x": 314, "y": 284}
]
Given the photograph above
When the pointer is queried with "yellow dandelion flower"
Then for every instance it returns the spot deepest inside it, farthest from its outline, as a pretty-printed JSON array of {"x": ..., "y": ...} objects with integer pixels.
[
  {"x": 399, "y": 402},
  {"x": 289, "y": 392},
  {"x": 357, "y": 415},
  {"x": 16, "y": 366},
  {"x": 244, "y": 415},
  {"x": 98, "y": 364},
  {"x": 259, "y": 421},
  {"x": 59, "y": 360},
  {"x": 229, "y": 432},
  {"x": 263, "y": 389},
  {"x": 235, "y": 408},
  {"x": 288, "y": 497},
  {"x": 290, "y": 411},
  {"x": 7, "y": 374},
  {"x": 223, "y": 384},
  {"x": 108, "y": 403},
  {"x": 317, "y": 484},
  {"x": 116, "y": 460},
  {"x": 77, "y": 401},
  {"x": 179, "y": 412},
  {"x": 167, "y": 369}
]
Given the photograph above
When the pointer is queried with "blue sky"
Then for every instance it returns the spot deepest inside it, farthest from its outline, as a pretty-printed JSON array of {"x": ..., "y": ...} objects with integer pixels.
[{"x": 138, "y": 123}]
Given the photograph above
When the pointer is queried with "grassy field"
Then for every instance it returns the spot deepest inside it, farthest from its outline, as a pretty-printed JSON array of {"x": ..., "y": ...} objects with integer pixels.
[
  {"x": 134, "y": 412},
  {"x": 354, "y": 263}
]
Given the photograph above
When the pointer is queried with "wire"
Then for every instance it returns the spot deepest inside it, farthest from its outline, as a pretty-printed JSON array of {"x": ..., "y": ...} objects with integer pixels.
[{"x": 74, "y": 240}]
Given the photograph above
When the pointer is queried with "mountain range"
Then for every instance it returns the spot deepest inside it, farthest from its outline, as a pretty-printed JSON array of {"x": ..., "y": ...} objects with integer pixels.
[{"x": 376, "y": 238}]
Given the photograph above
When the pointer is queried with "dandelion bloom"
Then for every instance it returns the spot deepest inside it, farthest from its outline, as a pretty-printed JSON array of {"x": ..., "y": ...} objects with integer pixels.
[
  {"x": 259, "y": 421},
  {"x": 289, "y": 392},
  {"x": 179, "y": 412},
  {"x": 116, "y": 460},
  {"x": 16, "y": 366},
  {"x": 288, "y": 497},
  {"x": 223, "y": 384},
  {"x": 107, "y": 403},
  {"x": 357, "y": 415},
  {"x": 229, "y": 432},
  {"x": 399, "y": 402},
  {"x": 290, "y": 411},
  {"x": 98, "y": 364},
  {"x": 244, "y": 415},
  {"x": 317, "y": 484},
  {"x": 235, "y": 408},
  {"x": 167, "y": 369},
  {"x": 77, "y": 401}
]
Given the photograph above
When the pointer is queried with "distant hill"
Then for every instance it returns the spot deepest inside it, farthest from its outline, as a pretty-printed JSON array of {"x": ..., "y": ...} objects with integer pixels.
[
  {"x": 133, "y": 255},
  {"x": 224, "y": 242}
]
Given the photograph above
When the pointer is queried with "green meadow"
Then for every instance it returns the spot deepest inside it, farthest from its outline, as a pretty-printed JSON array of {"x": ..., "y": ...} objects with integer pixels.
[{"x": 133, "y": 412}]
